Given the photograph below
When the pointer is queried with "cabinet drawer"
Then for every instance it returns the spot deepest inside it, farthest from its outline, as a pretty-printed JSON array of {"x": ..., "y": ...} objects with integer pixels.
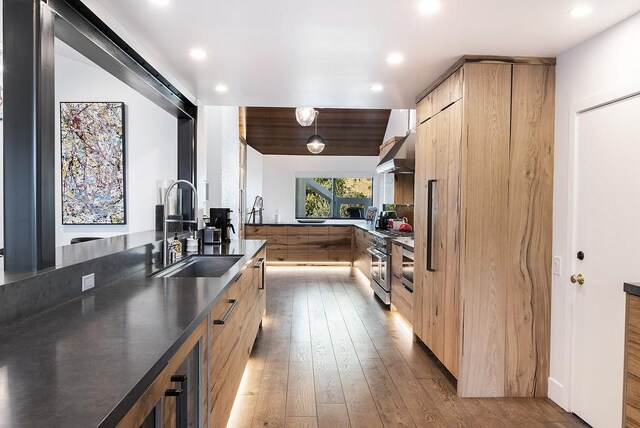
[
  {"x": 298, "y": 235},
  {"x": 402, "y": 299},
  {"x": 277, "y": 235},
  {"x": 255, "y": 232}
]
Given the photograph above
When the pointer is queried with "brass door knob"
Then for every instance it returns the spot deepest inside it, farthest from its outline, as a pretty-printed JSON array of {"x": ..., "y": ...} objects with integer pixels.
[{"x": 579, "y": 278}]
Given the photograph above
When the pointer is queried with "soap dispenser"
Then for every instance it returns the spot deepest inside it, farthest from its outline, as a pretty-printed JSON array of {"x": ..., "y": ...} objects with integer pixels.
[{"x": 177, "y": 245}]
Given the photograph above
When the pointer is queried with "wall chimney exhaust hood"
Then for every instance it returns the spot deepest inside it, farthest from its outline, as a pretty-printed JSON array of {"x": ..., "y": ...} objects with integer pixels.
[{"x": 401, "y": 159}]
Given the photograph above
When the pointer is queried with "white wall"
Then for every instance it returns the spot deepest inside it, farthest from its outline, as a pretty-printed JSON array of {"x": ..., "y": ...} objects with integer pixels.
[
  {"x": 397, "y": 125},
  {"x": 151, "y": 142},
  {"x": 602, "y": 64},
  {"x": 223, "y": 158},
  {"x": 255, "y": 168},
  {"x": 279, "y": 178}
]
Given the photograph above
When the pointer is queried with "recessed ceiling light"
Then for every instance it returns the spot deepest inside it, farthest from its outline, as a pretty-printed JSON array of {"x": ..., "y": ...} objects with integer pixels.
[
  {"x": 198, "y": 54},
  {"x": 395, "y": 58},
  {"x": 429, "y": 7},
  {"x": 221, "y": 88},
  {"x": 580, "y": 11},
  {"x": 159, "y": 2},
  {"x": 376, "y": 87}
]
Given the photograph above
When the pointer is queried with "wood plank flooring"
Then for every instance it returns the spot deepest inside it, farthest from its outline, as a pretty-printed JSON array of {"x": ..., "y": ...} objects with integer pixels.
[{"x": 330, "y": 355}]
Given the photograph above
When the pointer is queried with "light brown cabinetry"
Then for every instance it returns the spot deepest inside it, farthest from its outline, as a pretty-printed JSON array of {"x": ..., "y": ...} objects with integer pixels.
[
  {"x": 361, "y": 257},
  {"x": 483, "y": 187},
  {"x": 403, "y": 189},
  {"x": 234, "y": 324},
  {"x": 218, "y": 351},
  {"x": 401, "y": 297},
  {"x": 158, "y": 404},
  {"x": 632, "y": 363},
  {"x": 305, "y": 244}
]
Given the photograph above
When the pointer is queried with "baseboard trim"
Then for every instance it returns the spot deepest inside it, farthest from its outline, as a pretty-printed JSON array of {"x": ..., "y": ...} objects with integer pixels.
[{"x": 557, "y": 394}]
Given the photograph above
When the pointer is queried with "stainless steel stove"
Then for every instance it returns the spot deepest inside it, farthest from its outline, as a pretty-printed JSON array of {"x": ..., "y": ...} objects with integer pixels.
[{"x": 380, "y": 251}]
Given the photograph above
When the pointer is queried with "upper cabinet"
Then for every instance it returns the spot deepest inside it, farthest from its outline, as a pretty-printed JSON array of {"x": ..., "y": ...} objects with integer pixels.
[{"x": 483, "y": 204}]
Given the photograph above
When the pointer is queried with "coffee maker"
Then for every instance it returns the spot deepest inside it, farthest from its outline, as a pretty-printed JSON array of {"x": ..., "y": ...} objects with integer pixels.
[{"x": 221, "y": 217}]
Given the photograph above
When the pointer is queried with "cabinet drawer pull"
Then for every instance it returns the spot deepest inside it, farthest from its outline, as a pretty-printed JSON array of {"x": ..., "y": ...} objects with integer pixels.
[
  {"x": 261, "y": 266},
  {"x": 225, "y": 318},
  {"x": 182, "y": 400},
  {"x": 431, "y": 190}
]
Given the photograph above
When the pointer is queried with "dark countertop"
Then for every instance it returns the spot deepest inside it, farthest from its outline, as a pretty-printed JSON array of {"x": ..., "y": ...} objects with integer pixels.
[
  {"x": 86, "y": 362},
  {"x": 68, "y": 255},
  {"x": 407, "y": 243},
  {"x": 632, "y": 288},
  {"x": 344, "y": 223}
]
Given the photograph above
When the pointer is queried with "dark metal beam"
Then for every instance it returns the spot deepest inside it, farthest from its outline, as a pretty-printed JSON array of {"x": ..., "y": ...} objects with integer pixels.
[
  {"x": 29, "y": 84},
  {"x": 81, "y": 29},
  {"x": 187, "y": 159}
]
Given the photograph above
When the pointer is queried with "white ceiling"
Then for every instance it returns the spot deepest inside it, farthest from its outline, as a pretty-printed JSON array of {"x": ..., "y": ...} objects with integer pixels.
[{"x": 327, "y": 53}]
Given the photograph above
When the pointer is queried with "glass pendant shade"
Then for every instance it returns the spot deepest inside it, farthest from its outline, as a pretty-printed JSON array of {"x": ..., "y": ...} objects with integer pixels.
[
  {"x": 315, "y": 144},
  {"x": 305, "y": 115}
]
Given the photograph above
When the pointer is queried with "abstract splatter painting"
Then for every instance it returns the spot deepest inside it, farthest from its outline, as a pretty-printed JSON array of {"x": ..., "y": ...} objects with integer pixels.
[{"x": 93, "y": 162}]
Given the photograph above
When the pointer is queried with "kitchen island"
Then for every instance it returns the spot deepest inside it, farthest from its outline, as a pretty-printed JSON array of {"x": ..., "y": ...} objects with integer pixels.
[{"x": 87, "y": 362}]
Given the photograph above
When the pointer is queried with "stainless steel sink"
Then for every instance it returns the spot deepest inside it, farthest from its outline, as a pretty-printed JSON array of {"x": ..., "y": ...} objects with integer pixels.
[{"x": 199, "y": 267}]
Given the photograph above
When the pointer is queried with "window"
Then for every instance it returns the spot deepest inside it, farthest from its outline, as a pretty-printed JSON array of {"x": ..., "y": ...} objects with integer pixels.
[{"x": 333, "y": 198}]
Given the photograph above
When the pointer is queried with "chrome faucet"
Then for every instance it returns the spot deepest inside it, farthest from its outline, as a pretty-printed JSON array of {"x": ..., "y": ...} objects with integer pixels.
[{"x": 165, "y": 244}]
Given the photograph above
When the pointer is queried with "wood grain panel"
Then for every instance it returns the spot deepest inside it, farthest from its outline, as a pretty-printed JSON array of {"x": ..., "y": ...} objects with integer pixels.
[
  {"x": 451, "y": 341},
  {"x": 632, "y": 417},
  {"x": 449, "y": 91},
  {"x": 403, "y": 189},
  {"x": 487, "y": 59},
  {"x": 530, "y": 217},
  {"x": 633, "y": 335},
  {"x": 137, "y": 414},
  {"x": 420, "y": 221},
  {"x": 347, "y": 132},
  {"x": 633, "y": 390},
  {"x": 430, "y": 155},
  {"x": 402, "y": 299},
  {"x": 277, "y": 235},
  {"x": 255, "y": 231},
  {"x": 487, "y": 111},
  {"x": 437, "y": 279}
]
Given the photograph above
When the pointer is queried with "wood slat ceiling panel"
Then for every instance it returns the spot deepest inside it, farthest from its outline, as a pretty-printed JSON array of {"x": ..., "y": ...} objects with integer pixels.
[{"x": 347, "y": 132}]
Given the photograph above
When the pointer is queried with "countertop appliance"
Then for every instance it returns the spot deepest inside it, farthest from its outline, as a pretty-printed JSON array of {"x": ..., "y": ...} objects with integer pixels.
[
  {"x": 380, "y": 251},
  {"x": 221, "y": 217},
  {"x": 384, "y": 217}
]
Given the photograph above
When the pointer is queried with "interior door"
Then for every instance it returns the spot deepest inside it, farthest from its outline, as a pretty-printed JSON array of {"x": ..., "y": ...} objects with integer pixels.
[{"x": 607, "y": 233}]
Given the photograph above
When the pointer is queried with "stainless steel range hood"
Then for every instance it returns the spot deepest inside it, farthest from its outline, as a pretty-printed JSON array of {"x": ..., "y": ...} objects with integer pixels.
[{"x": 401, "y": 159}]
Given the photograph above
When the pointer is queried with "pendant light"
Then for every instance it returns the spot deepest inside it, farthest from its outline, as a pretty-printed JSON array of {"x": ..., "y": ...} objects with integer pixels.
[
  {"x": 315, "y": 143},
  {"x": 305, "y": 115}
]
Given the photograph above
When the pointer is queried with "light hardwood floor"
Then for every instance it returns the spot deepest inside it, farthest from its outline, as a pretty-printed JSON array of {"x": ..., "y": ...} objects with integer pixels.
[{"x": 330, "y": 355}]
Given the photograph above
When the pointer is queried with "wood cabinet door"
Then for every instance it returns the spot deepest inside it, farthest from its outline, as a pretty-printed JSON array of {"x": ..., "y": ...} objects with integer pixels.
[{"x": 438, "y": 166}]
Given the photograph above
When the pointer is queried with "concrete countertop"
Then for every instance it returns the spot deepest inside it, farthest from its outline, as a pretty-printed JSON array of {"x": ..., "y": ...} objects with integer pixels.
[
  {"x": 86, "y": 362},
  {"x": 632, "y": 288}
]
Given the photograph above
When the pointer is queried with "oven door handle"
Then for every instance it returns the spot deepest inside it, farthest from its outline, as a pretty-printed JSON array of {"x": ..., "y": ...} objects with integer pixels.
[{"x": 378, "y": 254}]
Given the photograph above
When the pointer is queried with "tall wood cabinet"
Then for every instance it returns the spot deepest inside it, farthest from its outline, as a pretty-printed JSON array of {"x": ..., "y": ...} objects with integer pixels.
[{"x": 483, "y": 204}]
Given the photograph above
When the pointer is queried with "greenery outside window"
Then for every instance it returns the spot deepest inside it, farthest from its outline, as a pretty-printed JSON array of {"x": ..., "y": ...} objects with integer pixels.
[{"x": 333, "y": 198}]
